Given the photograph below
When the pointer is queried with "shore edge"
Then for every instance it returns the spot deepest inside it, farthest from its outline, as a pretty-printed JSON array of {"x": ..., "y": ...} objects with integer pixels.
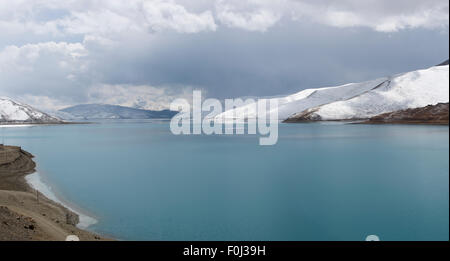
[{"x": 27, "y": 214}]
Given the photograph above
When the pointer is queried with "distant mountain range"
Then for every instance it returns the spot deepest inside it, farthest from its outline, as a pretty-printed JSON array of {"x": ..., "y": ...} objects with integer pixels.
[
  {"x": 13, "y": 112},
  {"x": 353, "y": 101},
  {"x": 106, "y": 111}
]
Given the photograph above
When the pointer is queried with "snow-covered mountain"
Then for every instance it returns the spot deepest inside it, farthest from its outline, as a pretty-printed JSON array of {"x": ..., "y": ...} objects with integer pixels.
[
  {"x": 15, "y": 112},
  {"x": 106, "y": 111},
  {"x": 360, "y": 100}
]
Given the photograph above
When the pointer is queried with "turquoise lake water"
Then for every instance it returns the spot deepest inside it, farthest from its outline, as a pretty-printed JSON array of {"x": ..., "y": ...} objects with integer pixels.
[{"x": 319, "y": 182}]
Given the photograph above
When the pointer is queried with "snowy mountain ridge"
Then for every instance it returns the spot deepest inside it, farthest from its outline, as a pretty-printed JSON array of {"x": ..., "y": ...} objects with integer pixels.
[
  {"x": 15, "y": 112},
  {"x": 359, "y": 100}
]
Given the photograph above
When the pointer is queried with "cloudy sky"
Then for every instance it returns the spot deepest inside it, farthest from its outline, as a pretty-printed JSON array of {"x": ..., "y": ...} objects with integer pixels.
[{"x": 147, "y": 52}]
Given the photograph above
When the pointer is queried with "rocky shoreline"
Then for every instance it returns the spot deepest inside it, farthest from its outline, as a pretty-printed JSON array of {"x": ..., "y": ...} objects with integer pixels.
[
  {"x": 26, "y": 214},
  {"x": 432, "y": 114}
]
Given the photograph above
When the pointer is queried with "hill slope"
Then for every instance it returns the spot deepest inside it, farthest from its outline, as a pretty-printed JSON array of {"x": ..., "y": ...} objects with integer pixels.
[
  {"x": 359, "y": 100},
  {"x": 410, "y": 90},
  {"x": 105, "y": 111},
  {"x": 431, "y": 114},
  {"x": 14, "y": 112}
]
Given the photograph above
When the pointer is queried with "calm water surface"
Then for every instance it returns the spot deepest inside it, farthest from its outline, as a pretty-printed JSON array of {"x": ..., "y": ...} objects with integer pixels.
[{"x": 319, "y": 182}]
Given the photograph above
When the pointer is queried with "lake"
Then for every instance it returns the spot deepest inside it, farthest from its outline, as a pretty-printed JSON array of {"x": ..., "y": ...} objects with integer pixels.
[{"x": 321, "y": 181}]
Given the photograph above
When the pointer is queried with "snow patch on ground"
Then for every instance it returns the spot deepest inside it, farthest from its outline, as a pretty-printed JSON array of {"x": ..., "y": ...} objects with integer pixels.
[
  {"x": 410, "y": 90},
  {"x": 35, "y": 181},
  {"x": 15, "y": 112},
  {"x": 359, "y": 100}
]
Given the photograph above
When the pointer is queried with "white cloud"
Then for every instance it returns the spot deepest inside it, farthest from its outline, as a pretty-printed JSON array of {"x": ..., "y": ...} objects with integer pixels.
[
  {"x": 32, "y": 67},
  {"x": 259, "y": 17},
  {"x": 379, "y": 15},
  {"x": 41, "y": 102},
  {"x": 137, "y": 96},
  {"x": 382, "y": 16},
  {"x": 107, "y": 18},
  {"x": 60, "y": 52},
  {"x": 102, "y": 22},
  {"x": 43, "y": 69},
  {"x": 162, "y": 15},
  {"x": 31, "y": 57},
  {"x": 102, "y": 17}
]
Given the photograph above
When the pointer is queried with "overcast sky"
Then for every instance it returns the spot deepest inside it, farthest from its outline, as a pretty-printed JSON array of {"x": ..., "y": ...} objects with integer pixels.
[{"x": 57, "y": 53}]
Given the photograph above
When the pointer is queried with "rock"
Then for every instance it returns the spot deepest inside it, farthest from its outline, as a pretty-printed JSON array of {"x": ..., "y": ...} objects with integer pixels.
[
  {"x": 305, "y": 116},
  {"x": 431, "y": 114},
  {"x": 72, "y": 238},
  {"x": 30, "y": 227},
  {"x": 72, "y": 218}
]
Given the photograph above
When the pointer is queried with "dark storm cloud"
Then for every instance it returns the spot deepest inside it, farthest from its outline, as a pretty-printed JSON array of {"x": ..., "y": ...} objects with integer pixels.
[
  {"x": 56, "y": 53},
  {"x": 288, "y": 58}
]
